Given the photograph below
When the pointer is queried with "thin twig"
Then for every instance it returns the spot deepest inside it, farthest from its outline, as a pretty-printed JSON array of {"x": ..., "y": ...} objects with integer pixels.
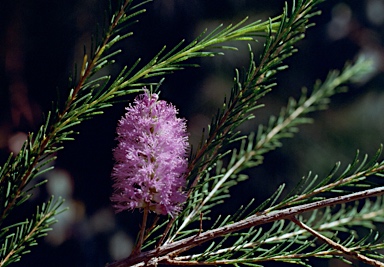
[
  {"x": 139, "y": 244},
  {"x": 338, "y": 246}
]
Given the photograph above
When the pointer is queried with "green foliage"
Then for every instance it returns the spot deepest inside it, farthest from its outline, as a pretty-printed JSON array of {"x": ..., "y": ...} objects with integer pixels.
[
  {"x": 271, "y": 231},
  {"x": 19, "y": 237}
]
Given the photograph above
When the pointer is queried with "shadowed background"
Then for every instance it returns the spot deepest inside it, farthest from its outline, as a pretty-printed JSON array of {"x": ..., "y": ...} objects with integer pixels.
[{"x": 41, "y": 40}]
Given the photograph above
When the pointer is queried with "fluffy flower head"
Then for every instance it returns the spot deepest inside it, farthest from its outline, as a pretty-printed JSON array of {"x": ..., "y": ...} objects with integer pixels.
[{"x": 150, "y": 157}]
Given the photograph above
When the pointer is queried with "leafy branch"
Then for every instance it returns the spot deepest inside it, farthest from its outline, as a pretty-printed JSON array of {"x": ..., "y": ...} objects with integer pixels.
[
  {"x": 163, "y": 253},
  {"x": 325, "y": 222},
  {"x": 21, "y": 236},
  {"x": 257, "y": 82},
  {"x": 40, "y": 149},
  {"x": 354, "y": 176}
]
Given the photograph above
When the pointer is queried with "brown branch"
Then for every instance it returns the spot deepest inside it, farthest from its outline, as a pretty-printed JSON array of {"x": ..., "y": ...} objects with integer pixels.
[
  {"x": 338, "y": 246},
  {"x": 258, "y": 219}
]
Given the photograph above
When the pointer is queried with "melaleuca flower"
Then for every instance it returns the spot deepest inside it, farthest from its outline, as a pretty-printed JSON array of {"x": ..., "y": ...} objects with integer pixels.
[{"x": 150, "y": 157}]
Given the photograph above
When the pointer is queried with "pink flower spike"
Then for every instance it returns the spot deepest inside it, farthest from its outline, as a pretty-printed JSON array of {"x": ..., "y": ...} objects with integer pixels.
[{"x": 151, "y": 164}]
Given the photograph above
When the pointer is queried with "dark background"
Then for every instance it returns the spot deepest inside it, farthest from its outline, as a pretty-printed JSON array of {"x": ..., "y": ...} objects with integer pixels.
[{"x": 41, "y": 40}]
